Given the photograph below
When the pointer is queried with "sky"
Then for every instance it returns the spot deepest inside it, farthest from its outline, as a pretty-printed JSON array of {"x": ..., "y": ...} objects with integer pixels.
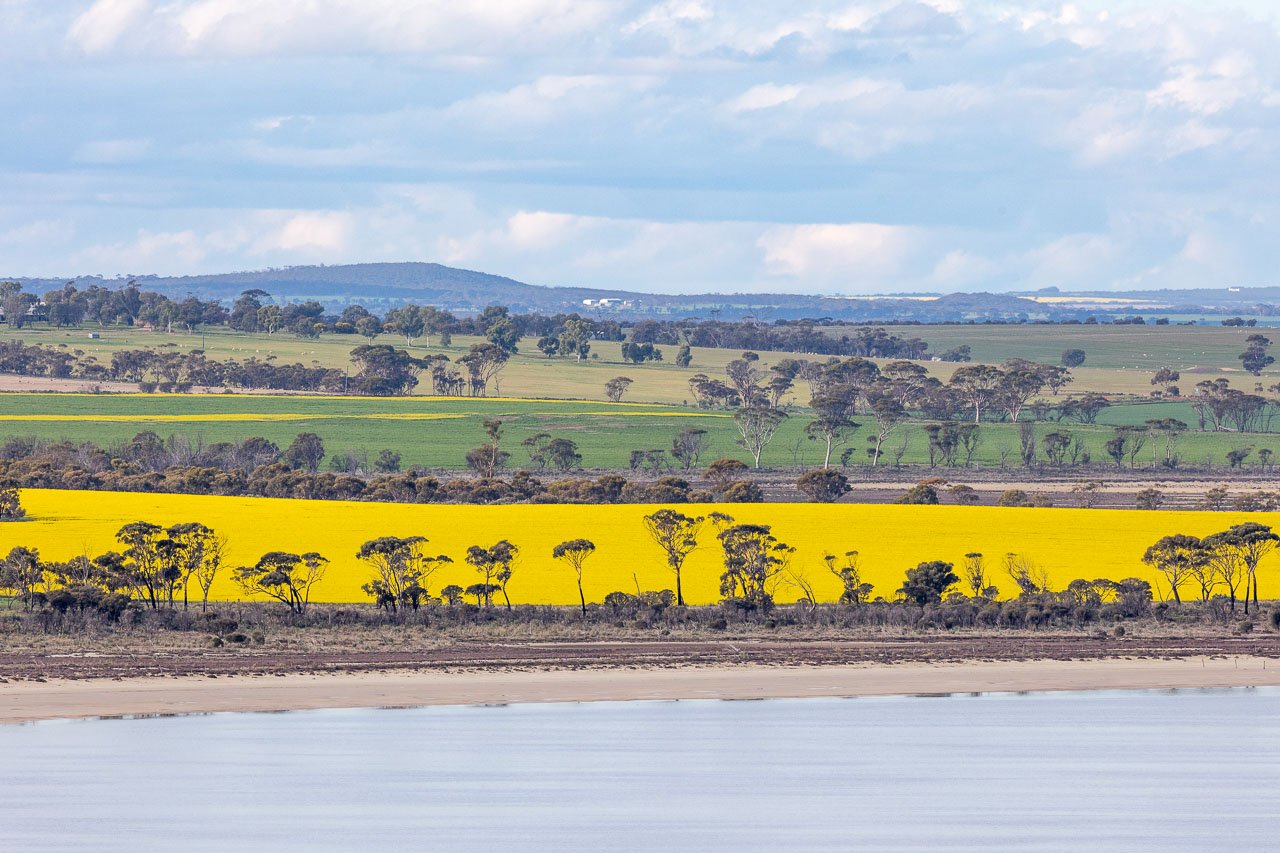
[{"x": 677, "y": 146}]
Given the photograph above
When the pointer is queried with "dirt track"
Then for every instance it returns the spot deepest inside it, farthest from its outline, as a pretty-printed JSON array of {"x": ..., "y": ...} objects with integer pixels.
[{"x": 515, "y": 655}]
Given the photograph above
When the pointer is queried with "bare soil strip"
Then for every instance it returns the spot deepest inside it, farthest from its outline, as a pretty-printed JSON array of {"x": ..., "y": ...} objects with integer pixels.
[
  {"x": 56, "y": 684},
  {"x": 113, "y": 657},
  {"x": 29, "y": 701}
]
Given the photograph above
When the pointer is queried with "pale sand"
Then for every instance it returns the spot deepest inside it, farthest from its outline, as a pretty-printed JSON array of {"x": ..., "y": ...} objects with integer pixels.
[{"x": 28, "y": 701}]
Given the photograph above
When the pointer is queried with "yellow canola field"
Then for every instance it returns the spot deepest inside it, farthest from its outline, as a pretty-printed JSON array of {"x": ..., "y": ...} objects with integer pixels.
[
  {"x": 1070, "y": 543},
  {"x": 216, "y": 417},
  {"x": 241, "y": 416}
]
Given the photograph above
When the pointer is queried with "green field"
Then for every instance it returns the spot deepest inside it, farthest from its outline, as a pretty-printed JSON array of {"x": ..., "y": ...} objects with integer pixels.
[
  {"x": 437, "y": 432},
  {"x": 1120, "y": 359},
  {"x": 1111, "y": 347},
  {"x": 566, "y": 397}
]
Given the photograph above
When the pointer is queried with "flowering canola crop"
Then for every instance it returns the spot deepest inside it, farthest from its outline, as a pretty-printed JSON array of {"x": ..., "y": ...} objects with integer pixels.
[
  {"x": 1069, "y": 543},
  {"x": 216, "y": 417}
]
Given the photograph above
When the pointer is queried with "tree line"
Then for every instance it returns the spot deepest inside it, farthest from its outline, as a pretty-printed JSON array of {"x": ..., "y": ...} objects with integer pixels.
[
  {"x": 157, "y": 567},
  {"x": 257, "y": 466},
  {"x": 560, "y": 334}
]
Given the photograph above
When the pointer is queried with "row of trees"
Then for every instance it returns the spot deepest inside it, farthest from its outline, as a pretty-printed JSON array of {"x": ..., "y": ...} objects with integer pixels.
[
  {"x": 257, "y": 466},
  {"x": 840, "y": 389},
  {"x": 160, "y": 567},
  {"x": 103, "y": 306},
  {"x": 1228, "y": 560},
  {"x": 570, "y": 334},
  {"x": 166, "y": 369}
]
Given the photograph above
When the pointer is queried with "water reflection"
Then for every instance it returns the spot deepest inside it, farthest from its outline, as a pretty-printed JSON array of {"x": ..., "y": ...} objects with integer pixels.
[{"x": 991, "y": 771}]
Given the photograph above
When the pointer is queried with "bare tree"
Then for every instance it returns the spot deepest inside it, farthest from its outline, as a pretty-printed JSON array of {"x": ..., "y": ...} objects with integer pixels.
[
  {"x": 688, "y": 446},
  {"x": 888, "y": 414},
  {"x": 756, "y": 426},
  {"x": 854, "y": 591},
  {"x": 796, "y": 577},
  {"x": 1031, "y": 577},
  {"x": 975, "y": 573}
]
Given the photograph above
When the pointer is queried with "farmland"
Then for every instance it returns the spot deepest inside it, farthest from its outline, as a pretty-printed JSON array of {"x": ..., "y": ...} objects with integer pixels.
[
  {"x": 564, "y": 397},
  {"x": 1120, "y": 359},
  {"x": 437, "y": 432},
  {"x": 1067, "y": 543}
]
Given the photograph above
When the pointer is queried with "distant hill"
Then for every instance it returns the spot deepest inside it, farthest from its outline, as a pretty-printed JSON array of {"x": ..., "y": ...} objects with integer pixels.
[
  {"x": 383, "y": 285},
  {"x": 372, "y": 283},
  {"x": 463, "y": 291}
]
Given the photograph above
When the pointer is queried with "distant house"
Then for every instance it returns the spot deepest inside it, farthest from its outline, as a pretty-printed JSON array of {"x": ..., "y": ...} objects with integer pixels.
[{"x": 608, "y": 302}]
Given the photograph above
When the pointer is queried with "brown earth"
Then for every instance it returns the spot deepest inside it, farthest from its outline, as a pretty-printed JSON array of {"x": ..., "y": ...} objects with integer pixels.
[{"x": 55, "y": 658}]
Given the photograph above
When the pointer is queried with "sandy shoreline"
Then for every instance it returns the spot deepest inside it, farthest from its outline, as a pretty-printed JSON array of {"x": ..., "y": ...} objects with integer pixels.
[{"x": 31, "y": 701}]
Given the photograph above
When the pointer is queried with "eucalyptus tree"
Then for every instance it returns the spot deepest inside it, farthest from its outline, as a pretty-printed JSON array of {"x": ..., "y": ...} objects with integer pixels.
[
  {"x": 677, "y": 535},
  {"x": 402, "y": 570},
  {"x": 574, "y": 554},
  {"x": 756, "y": 428},
  {"x": 1177, "y": 557},
  {"x": 288, "y": 578}
]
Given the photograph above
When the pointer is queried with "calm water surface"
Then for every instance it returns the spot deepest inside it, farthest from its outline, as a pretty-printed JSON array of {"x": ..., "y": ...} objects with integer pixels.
[{"x": 1089, "y": 771}]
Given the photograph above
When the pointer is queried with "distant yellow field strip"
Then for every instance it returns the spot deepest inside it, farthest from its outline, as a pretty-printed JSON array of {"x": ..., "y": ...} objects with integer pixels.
[
  {"x": 411, "y": 398},
  {"x": 636, "y": 414},
  {"x": 214, "y": 417},
  {"x": 240, "y": 416}
]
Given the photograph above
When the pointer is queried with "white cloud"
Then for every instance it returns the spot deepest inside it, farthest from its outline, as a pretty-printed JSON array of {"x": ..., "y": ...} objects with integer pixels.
[
  {"x": 107, "y": 151},
  {"x": 251, "y": 27},
  {"x": 549, "y": 98},
  {"x": 960, "y": 269},
  {"x": 325, "y": 231},
  {"x": 851, "y": 252},
  {"x": 671, "y": 144},
  {"x": 104, "y": 23},
  {"x": 763, "y": 97}
]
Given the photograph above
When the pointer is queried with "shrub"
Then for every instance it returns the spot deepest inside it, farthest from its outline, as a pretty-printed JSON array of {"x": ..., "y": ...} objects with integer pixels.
[
  {"x": 11, "y": 505},
  {"x": 824, "y": 485},
  {"x": 921, "y": 493},
  {"x": 1150, "y": 499},
  {"x": 742, "y": 492},
  {"x": 1014, "y": 497}
]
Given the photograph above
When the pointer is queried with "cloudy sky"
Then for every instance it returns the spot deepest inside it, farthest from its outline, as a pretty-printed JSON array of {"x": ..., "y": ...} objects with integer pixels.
[{"x": 808, "y": 146}]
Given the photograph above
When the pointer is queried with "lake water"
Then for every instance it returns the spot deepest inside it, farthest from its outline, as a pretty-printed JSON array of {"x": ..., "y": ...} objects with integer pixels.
[{"x": 1180, "y": 770}]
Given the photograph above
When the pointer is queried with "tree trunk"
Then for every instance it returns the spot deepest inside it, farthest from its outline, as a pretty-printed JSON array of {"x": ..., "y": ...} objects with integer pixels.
[
  {"x": 583, "y": 599},
  {"x": 826, "y": 460},
  {"x": 679, "y": 591}
]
